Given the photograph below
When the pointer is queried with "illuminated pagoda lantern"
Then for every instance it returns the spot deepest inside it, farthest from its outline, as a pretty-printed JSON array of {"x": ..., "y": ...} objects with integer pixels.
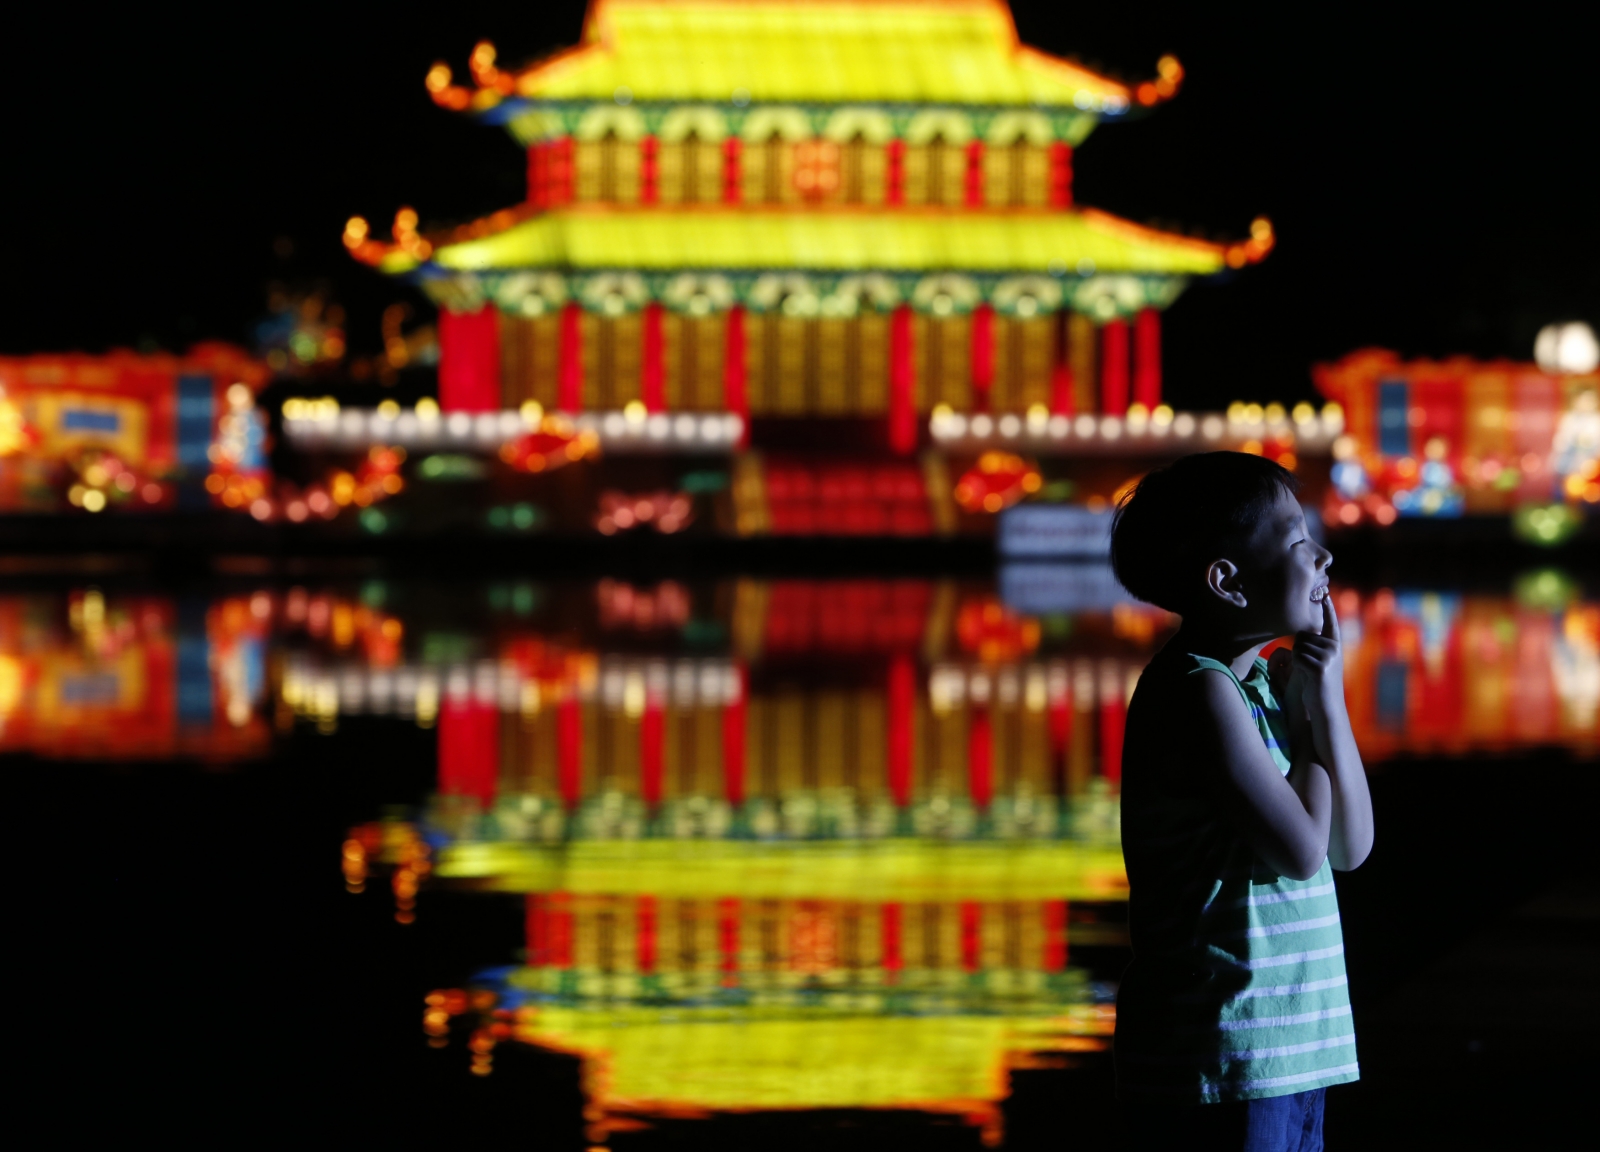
[{"x": 857, "y": 218}]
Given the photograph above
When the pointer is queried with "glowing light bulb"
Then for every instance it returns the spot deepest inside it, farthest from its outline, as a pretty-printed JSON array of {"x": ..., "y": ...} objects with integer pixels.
[{"x": 1567, "y": 349}]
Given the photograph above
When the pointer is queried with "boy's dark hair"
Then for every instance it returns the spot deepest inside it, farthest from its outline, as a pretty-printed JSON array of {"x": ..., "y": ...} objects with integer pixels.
[{"x": 1177, "y": 519}]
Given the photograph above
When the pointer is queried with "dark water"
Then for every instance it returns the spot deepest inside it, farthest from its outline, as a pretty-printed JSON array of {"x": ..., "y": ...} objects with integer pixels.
[{"x": 720, "y": 862}]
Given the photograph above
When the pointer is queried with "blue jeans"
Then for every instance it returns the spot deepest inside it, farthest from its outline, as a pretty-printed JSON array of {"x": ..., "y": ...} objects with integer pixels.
[{"x": 1277, "y": 1124}]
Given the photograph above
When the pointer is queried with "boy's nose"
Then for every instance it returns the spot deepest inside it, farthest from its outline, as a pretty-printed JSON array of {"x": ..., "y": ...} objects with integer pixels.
[{"x": 1324, "y": 558}]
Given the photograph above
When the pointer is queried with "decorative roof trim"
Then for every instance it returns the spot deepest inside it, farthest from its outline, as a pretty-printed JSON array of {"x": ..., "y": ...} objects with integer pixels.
[
  {"x": 684, "y": 237},
  {"x": 558, "y": 77}
]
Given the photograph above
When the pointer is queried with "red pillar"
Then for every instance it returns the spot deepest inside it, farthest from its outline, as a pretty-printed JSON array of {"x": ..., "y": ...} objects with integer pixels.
[
  {"x": 893, "y": 959},
  {"x": 982, "y": 356},
  {"x": 560, "y": 172},
  {"x": 728, "y": 939},
  {"x": 733, "y": 745},
  {"x": 894, "y": 191},
  {"x": 974, "y": 184},
  {"x": 735, "y": 396},
  {"x": 1060, "y": 175},
  {"x": 469, "y": 750},
  {"x": 1060, "y": 721},
  {"x": 971, "y": 938},
  {"x": 1055, "y": 935},
  {"x": 1113, "y": 720},
  {"x": 569, "y": 386},
  {"x": 469, "y": 360},
  {"x": 902, "y": 383},
  {"x": 1147, "y": 358},
  {"x": 731, "y": 170},
  {"x": 902, "y": 716},
  {"x": 558, "y": 950},
  {"x": 1061, "y": 369},
  {"x": 645, "y": 933},
  {"x": 652, "y": 386},
  {"x": 1114, "y": 367},
  {"x": 647, "y": 170},
  {"x": 652, "y": 746},
  {"x": 569, "y": 751},
  {"x": 980, "y": 757}
]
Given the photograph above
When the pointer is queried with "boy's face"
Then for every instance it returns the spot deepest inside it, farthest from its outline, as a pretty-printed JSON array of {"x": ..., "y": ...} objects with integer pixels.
[{"x": 1287, "y": 578}]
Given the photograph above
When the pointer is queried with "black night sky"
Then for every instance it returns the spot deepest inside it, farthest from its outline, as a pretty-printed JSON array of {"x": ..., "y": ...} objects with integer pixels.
[{"x": 1427, "y": 179}]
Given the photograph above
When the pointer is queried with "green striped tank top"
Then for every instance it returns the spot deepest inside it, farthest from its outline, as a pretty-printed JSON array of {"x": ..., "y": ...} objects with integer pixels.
[{"x": 1237, "y": 986}]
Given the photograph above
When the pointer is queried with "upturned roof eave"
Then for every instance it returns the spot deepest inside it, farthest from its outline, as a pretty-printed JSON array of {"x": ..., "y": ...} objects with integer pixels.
[{"x": 595, "y": 237}]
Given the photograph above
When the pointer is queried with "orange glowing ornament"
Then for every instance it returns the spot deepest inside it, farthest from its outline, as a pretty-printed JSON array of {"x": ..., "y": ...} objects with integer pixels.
[
  {"x": 548, "y": 448},
  {"x": 995, "y": 634},
  {"x": 997, "y": 481}
]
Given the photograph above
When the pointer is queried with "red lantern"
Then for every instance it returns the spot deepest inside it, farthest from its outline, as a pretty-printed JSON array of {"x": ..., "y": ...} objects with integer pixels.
[{"x": 997, "y": 481}]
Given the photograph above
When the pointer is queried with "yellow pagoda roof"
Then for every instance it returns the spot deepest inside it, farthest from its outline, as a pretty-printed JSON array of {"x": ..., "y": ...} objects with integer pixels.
[
  {"x": 668, "y": 1062},
  {"x": 652, "y": 238},
  {"x": 802, "y": 51},
  {"x": 815, "y": 870}
]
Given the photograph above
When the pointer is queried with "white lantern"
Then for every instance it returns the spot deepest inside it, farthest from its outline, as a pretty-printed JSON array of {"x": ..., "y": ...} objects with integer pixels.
[{"x": 1569, "y": 349}]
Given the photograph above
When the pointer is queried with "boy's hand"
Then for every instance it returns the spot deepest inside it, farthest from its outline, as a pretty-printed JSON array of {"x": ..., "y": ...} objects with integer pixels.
[
  {"x": 1319, "y": 668},
  {"x": 1289, "y": 687}
]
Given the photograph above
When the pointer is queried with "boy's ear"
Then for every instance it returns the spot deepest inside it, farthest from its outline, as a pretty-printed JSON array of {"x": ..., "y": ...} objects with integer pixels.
[{"x": 1223, "y": 580}]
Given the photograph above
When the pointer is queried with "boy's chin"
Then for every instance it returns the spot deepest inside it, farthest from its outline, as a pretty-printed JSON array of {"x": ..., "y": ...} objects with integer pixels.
[{"x": 1306, "y": 620}]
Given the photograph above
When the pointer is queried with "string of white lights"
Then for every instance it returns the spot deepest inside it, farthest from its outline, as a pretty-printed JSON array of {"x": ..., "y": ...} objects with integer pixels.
[
  {"x": 1139, "y": 430},
  {"x": 323, "y": 423}
]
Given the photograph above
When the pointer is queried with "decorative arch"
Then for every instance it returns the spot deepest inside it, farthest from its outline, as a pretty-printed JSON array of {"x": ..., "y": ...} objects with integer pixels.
[
  {"x": 953, "y": 127},
  {"x": 696, "y": 293},
  {"x": 708, "y": 123},
  {"x": 1020, "y": 126},
  {"x": 947, "y": 293},
  {"x": 792, "y": 291},
  {"x": 872, "y": 124},
  {"x": 1120, "y": 297},
  {"x": 875, "y": 290},
  {"x": 1026, "y": 296},
  {"x": 789, "y": 124},
  {"x": 614, "y": 293},
  {"x": 594, "y": 124},
  {"x": 531, "y": 293}
]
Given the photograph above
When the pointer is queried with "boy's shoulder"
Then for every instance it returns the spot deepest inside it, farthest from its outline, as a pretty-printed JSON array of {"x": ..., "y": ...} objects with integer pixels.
[
  {"x": 1170, "y": 678},
  {"x": 1165, "y": 681},
  {"x": 1168, "y": 669}
]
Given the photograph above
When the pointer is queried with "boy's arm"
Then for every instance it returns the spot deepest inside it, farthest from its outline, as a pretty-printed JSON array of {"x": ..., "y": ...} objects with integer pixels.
[
  {"x": 1319, "y": 661},
  {"x": 1285, "y": 819}
]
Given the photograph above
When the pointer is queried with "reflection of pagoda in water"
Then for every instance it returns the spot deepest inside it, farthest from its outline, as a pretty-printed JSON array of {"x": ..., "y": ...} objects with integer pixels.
[
  {"x": 883, "y": 818},
  {"x": 992, "y": 694},
  {"x": 863, "y": 852},
  {"x": 891, "y": 997},
  {"x": 841, "y": 709}
]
